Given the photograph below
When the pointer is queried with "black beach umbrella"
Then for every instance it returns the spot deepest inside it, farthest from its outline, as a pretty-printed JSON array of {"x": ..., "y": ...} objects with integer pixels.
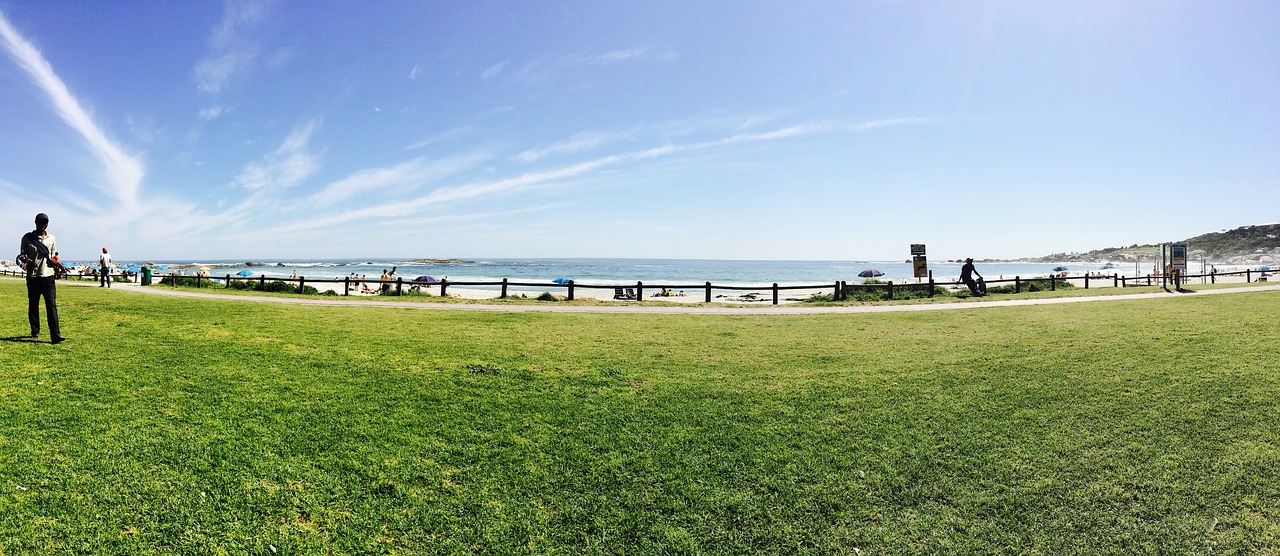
[{"x": 870, "y": 273}]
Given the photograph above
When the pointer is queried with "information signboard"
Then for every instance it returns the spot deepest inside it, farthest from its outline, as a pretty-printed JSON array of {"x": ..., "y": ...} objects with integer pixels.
[
  {"x": 921, "y": 266},
  {"x": 1178, "y": 254},
  {"x": 917, "y": 249}
]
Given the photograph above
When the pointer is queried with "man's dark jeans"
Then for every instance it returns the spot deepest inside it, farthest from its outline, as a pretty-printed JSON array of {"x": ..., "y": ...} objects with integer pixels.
[{"x": 37, "y": 287}]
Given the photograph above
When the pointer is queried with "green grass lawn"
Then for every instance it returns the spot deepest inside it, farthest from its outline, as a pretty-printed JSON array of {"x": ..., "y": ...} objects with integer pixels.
[{"x": 190, "y": 426}]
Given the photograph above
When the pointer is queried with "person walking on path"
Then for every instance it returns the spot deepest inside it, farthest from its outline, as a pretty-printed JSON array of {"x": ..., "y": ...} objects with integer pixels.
[
  {"x": 104, "y": 262},
  {"x": 966, "y": 275},
  {"x": 36, "y": 247}
]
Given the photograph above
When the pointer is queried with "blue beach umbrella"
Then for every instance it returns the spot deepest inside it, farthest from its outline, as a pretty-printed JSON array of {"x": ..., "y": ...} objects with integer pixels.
[
  {"x": 563, "y": 280},
  {"x": 1060, "y": 268},
  {"x": 427, "y": 279},
  {"x": 245, "y": 272},
  {"x": 870, "y": 273}
]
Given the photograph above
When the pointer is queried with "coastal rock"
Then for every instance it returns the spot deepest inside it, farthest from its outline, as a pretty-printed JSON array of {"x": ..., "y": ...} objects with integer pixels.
[{"x": 440, "y": 261}]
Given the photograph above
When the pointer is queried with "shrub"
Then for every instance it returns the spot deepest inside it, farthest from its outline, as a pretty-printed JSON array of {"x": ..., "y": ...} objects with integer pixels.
[
  {"x": 547, "y": 296},
  {"x": 1036, "y": 285},
  {"x": 187, "y": 281}
]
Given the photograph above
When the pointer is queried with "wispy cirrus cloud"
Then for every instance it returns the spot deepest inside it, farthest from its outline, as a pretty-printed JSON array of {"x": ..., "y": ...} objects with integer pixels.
[
  {"x": 545, "y": 69},
  {"x": 123, "y": 171},
  {"x": 287, "y": 166},
  {"x": 615, "y": 56},
  {"x": 399, "y": 178},
  {"x": 442, "y": 137},
  {"x": 408, "y": 208},
  {"x": 577, "y": 143},
  {"x": 233, "y": 52},
  {"x": 494, "y": 70}
]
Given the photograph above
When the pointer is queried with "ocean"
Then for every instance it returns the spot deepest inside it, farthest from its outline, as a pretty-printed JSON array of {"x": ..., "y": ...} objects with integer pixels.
[{"x": 629, "y": 271}]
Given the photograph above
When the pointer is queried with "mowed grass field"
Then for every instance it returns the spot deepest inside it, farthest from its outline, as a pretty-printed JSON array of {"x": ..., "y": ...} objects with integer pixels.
[{"x": 186, "y": 426}]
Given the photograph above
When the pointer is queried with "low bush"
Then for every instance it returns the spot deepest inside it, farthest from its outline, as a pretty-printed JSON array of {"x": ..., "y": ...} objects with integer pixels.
[
  {"x": 188, "y": 281},
  {"x": 1028, "y": 286}
]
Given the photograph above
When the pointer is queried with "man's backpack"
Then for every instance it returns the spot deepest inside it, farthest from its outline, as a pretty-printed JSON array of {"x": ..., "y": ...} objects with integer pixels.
[{"x": 32, "y": 251}]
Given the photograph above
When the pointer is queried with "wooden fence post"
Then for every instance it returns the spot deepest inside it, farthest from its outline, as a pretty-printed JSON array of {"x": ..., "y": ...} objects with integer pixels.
[
  {"x": 1116, "y": 284},
  {"x": 346, "y": 285},
  {"x": 262, "y": 282},
  {"x": 1017, "y": 284},
  {"x": 890, "y": 288},
  {"x": 835, "y": 295},
  {"x": 639, "y": 291},
  {"x": 228, "y": 282},
  {"x": 1248, "y": 275},
  {"x": 708, "y": 292},
  {"x": 302, "y": 280},
  {"x": 399, "y": 285},
  {"x": 570, "y": 290},
  {"x": 444, "y": 284},
  {"x": 504, "y": 289},
  {"x": 1053, "y": 283},
  {"x": 775, "y": 293},
  {"x": 1086, "y": 280}
]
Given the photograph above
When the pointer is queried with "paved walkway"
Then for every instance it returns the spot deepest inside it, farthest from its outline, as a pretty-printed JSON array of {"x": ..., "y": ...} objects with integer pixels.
[{"x": 700, "y": 309}]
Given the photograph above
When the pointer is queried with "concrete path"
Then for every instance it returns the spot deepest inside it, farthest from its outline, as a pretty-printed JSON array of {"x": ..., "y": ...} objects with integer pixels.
[{"x": 701, "y": 309}]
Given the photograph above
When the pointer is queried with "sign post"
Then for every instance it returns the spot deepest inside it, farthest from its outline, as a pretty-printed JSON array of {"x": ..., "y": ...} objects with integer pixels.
[
  {"x": 918, "y": 262},
  {"x": 1178, "y": 263}
]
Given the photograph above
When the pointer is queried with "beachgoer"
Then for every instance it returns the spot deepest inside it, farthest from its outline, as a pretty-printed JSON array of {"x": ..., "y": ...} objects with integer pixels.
[
  {"x": 386, "y": 281},
  {"x": 966, "y": 275},
  {"x": 36, "y": 246},
  {"x": 104, "y": 262}
]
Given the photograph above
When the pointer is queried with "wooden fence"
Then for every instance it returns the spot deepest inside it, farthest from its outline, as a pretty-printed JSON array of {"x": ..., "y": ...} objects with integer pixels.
[{"x": 841, "y": 290}]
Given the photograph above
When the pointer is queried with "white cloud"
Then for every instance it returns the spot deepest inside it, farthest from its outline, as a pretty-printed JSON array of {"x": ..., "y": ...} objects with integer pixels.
[
  {"x": 211, "y": 113},
  {"x": 399, "y": 178},
  {"x": 284, "y": 167},
  {"x": 888, "y": 122},
  {"x": 616, "y": 56},
  {"x": 578, "y": 142},
  {"x": 494, "y": 70},
  {"x": 232, "y": 51},
  {"x": 413, "y": 72},
  {"x": 442, "y": 137},
  {"x": 123, "y": 171}
]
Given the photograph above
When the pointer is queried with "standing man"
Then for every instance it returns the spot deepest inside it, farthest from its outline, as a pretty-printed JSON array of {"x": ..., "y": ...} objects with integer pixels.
[
  {"x": 966, "y": 275},
  {"x": 104, "y": 262},
  {"x": 36, "y": 247}
]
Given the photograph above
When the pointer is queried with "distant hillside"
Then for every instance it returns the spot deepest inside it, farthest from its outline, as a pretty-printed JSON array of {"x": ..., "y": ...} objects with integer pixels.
[{"x": 1244, "y": 245}]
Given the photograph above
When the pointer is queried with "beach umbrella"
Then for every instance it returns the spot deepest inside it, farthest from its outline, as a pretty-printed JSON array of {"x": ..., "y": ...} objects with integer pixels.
[
  {"x": 245, "y": 272},
  {"x": 1060, "y": 268},
  {"x": 427, "y": 279},
  {"x": 563, "y": 280},
  {"x": 870, "y": 273}
]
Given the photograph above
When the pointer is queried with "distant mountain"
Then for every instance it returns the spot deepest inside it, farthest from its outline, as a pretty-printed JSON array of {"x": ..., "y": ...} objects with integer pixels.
[{"x": 1244, "y": 245}]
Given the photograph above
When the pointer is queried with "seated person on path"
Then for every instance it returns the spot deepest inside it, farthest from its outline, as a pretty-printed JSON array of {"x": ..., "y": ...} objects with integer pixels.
[{"x": 966, "y": 275}]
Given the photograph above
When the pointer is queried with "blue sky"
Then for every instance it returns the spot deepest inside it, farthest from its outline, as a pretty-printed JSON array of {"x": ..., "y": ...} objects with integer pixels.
[{"x": 732, "y": 130}]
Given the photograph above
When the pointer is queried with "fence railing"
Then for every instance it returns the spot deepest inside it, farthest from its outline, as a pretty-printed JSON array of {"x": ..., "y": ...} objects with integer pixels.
[{"x": 841, "y": 290}]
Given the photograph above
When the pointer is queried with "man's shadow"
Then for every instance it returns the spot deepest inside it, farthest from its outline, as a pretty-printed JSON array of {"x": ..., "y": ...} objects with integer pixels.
[{"x": 22, "y": 339}]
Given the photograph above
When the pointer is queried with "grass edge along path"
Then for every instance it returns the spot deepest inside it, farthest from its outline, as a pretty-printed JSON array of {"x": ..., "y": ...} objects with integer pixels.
[{"x": 185, "y": 425}]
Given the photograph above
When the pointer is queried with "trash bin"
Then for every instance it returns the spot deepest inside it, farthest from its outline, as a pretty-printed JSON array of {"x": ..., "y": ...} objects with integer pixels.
[{"x": 146, "y": 276}]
